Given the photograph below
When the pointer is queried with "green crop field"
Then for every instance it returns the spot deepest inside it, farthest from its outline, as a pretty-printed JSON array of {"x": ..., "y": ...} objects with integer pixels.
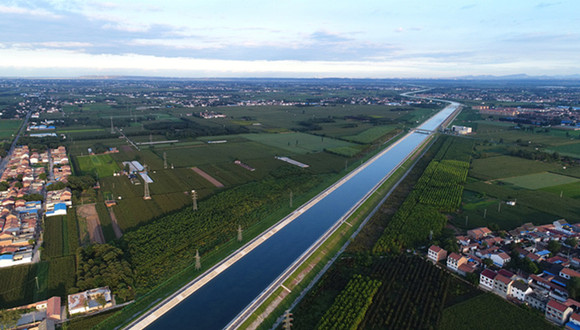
[
  {"x": 571, "y": 190},
  {"x": 103, "y": 165},
  {"x": 372, "y": 134},
  {"x": 540, "y": 180},
  {"x": 572, "y": 149},
  {"x": 506, "y": 166},
  {"x": 475, "y": 314},
  {"x": 8, "y": 128},
  {"x": 298, "y": 143},
  {"x": 197, "y": 155},
  {"x": 17, "y": 285}
]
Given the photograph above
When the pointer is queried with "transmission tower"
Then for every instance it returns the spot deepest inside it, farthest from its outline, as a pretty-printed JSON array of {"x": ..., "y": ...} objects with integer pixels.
[
  {"x": 194, "y": 198},
  {"x": 197, "y": 260},
  {"x": 164, "y": 160},
  {"x": 240, "y": 233},
  {"x": 112, "y": 128},
  {"x": 147, "y": 194},
  {"x": 287, "y": 323}
]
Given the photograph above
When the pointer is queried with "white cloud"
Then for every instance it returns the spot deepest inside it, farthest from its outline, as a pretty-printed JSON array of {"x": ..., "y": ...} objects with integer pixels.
[{"x": 27, "y": 11}]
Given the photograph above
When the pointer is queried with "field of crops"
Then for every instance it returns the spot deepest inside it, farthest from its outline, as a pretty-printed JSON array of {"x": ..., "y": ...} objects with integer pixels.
[
  {"x": 53, "y": 238},
  {"x": 102, "y": 165},
  {"x": 9, "y": 127},
  {"x": 571, "y": 190},
  {"x": 439, "y": 189},
  {"x": 475, "y": 314},
  {"x": 505, "y": 167},
  {"x": 350, "y": 307},
  {"x": 411, "y": 294},
  {"x": 61, "y": 278},
  {"x": 17, "y": 286},
  {"x": 572, "y": 149},
  {"x": 540, "y": 180},
  {"x": 370, "y": 135},
  {"x": 298, "y": 143}
]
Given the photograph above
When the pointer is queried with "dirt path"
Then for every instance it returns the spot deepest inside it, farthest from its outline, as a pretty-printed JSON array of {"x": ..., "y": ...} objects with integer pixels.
[
  {"x": 88, "y": 212},
  {"x": 208, "y": 177},
  {"x": 116, "y": 228}
]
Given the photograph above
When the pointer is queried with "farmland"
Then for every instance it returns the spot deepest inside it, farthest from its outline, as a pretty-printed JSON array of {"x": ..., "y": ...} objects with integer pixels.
[
  {"x": 8, "y": 128},
  {"x": 410, "y": 294},
  {"x": 474, "y": 314},
  {"x": 101, "y": 165},
  {"x": 540, "y": 180}
]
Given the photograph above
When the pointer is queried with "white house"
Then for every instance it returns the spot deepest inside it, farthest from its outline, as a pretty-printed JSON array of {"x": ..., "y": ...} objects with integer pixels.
[
  {"x": 487, "y": 279},
  {"x": 520, "y": 289},
  {"x": 500, "y": 259}
]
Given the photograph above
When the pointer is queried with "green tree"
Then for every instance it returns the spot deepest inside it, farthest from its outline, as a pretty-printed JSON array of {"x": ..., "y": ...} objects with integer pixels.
[
  {"x": 9, "y": 318},
  {"x": 574, "y": 287},
  {"x": 571, "y": 241},
  {"x": 554, "y": 246}
]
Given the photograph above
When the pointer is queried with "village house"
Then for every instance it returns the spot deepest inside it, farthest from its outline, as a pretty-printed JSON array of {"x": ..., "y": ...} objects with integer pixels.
[
  {"x": 557, "y": 312},
  {"x": 90, "y": 300},
  {"x": 436, "y": 253},
  {"x": 487, "y": 279},
  {"x": 520, "y": 289},
  {"x": 455, "y": 260}
]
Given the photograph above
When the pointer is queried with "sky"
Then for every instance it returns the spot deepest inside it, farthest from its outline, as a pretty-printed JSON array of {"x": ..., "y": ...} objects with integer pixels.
[{"x": 289, "y": 38}]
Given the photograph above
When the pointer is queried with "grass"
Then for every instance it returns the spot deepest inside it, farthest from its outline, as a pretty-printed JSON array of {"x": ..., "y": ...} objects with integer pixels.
[
  {"x": 8, "y": 127},
  {"x": 571, "y": 190},
  {"x": 506, "y": 166},
  {"x": 298, "y": 143},
  {"x": 488, "y": 311},
  {"x": 572, "y": 149},
  {"x": 370, "y": 135},
  {"x": 103, "y": 165},
  {"x": 540, "y": 180}
]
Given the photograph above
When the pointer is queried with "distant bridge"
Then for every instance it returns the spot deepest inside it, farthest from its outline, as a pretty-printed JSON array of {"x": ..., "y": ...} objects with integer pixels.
[{"x": 422, "y": 131}]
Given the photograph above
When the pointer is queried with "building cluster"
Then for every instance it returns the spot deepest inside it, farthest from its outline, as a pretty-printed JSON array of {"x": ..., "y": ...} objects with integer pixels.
[
  {"x": 483, "y": 253},
  {"x": 19, "y": 218},
  {"x": 47, "y": 313},
  {"x": 61, "y": 168},
  {"x": 57, "y": 202}
]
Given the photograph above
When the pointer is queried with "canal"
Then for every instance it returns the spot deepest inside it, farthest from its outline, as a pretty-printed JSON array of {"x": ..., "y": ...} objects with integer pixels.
[{"x": 215, "y": 304}]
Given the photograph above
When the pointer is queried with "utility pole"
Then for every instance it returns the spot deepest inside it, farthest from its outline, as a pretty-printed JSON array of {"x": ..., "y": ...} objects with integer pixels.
[
  {"x": 194, "y": 199},
  {"x": 164, "y": 160},
  {"x": 287, "y": 323},
  {"x": 240, "y": 233},
  {"x": 499, "y": 207},
  {"x": 290, "y": 198},
  {"x": 150, "y": 137},
  {"x": 36, "y": 278},
  {"x": 466, "y": 220},
  {"x": 112, "y": 128},
  {"x": 484, "y": 213},
  {"x": 561, "y": 193},
  {"x": 197, "y": 260}
]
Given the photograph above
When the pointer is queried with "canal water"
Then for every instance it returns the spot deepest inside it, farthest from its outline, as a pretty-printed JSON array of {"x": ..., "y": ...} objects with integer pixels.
[{"x": 214, "y": 305}]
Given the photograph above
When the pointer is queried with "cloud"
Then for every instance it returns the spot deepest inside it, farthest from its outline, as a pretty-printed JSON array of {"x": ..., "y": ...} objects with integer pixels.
[
  {"x": 13, "y": 10},
  {"x": 323, "y": 36},
  {"x": 469, "y": 6},
  {"x": 399, "y": 29},
  {"x": 542, "y": 5}
]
